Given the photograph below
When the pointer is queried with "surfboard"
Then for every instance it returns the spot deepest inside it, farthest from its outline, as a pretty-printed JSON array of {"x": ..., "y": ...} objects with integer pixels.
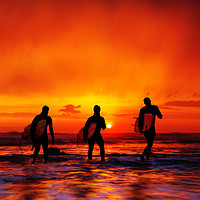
[
  {"x": 41, "y": 125},
  {"x": 80, "y": 134},
  {"x": 148, "y": 122},
  {"x": 91, "y": 130},
  {"x": 26, "y": 135}
]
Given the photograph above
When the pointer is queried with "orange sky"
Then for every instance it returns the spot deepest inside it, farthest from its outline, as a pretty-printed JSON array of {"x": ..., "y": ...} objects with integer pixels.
[{"x": 113, "y": 53}]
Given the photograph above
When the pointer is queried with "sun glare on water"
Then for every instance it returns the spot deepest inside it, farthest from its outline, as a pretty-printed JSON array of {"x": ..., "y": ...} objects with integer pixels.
[{"x": 108, "y": 125}]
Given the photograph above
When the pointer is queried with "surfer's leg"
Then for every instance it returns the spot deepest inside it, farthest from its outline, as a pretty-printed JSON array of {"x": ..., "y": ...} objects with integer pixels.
[
  {"x": 146, "y": 148},
  {"x": 150, "y": 138},
  {"x": 45, "y": 148},
  {"x": 100, "y": 143},
  {"x": 150, "y": 144},
  {"x": 37, "y": 150},
  {"x": 91, "y": 147}
]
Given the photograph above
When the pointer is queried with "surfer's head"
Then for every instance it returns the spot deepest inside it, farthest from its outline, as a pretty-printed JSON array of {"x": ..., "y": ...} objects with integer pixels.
[
  {"x": 147, "y": 101},
  {"x": 97, "y": 109},
  {"x": 45, "y": 110}
]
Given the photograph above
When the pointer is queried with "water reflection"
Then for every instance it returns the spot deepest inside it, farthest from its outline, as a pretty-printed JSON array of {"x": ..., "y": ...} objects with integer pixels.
[{"x": 172, "y": 174}]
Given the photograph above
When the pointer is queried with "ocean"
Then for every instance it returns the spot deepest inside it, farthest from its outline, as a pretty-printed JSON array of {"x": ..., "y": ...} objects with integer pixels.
[{"x": 173, "y": 171}]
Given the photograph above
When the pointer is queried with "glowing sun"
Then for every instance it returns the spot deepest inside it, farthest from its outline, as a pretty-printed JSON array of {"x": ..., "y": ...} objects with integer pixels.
[{"x": 108, "y": 125}]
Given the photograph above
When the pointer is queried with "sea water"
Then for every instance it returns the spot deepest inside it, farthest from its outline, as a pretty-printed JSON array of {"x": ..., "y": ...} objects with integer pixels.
[{"x": 173, "y": 171}]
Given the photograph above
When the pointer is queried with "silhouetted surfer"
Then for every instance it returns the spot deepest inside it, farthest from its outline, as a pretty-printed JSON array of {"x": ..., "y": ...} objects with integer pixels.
[
  {"x": 97, "y": 137},
  {"x": 43, "y": 138},
  {"x": 147, "y": 124}
]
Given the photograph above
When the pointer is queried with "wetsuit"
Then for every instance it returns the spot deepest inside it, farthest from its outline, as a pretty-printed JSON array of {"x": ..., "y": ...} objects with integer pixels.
[
  {"x": 150, "y": 133},
  {"x": 97, "y": 137},
  {"x": 43, "y": 139}
]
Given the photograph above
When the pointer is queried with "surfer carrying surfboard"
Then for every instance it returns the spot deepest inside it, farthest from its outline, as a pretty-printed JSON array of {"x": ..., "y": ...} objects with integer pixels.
[
  {"x": 146, "y": 123},
  {"x": 96, "y": 137},
  {"x": 38, "y": 133}
]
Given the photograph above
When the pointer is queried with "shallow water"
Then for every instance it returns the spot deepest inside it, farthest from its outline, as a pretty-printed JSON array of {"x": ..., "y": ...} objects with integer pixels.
[{"x": 173, "y": 171}]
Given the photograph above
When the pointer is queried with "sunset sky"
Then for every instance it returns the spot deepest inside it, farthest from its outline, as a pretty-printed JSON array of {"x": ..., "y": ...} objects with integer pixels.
[{"x": 71, "y": 55}]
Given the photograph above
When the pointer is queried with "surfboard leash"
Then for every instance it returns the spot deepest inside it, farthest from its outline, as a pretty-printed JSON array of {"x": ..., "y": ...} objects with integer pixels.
[{"x": 78, "y": 143}]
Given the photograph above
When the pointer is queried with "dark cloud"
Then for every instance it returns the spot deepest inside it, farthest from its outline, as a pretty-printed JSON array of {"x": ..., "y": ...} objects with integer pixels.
[
  {"x": 183, "y": 103},
  {"x": 125, "y": 115},
  {"x": 69, "y": 116},
  {"x": 17, "y": 114},
  {"x": 148, "y": 93},
  {"x": 70, "y": 109},
  {"x": 167, "y": 108},
  {"x": 195, "y": 94}
]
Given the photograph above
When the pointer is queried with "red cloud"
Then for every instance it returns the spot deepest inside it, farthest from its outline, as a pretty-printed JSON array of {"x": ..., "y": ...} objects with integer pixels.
[
  {"x": 125, "y": 115},
  {"x": 70, "y": 109},
  {"x": 183, "y": 103},
  {"x": 17, "y": 114}
]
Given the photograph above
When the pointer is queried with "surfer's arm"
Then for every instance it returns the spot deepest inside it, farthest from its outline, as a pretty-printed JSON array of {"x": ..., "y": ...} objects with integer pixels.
[
  {"x": 159, "y": 113},
  {"x": 51, "y": 130},
  {"x": 103, "y": 125}
]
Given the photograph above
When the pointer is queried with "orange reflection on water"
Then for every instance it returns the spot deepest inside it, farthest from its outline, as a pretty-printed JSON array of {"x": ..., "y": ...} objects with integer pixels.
[{"x": 171, "y": 173}]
